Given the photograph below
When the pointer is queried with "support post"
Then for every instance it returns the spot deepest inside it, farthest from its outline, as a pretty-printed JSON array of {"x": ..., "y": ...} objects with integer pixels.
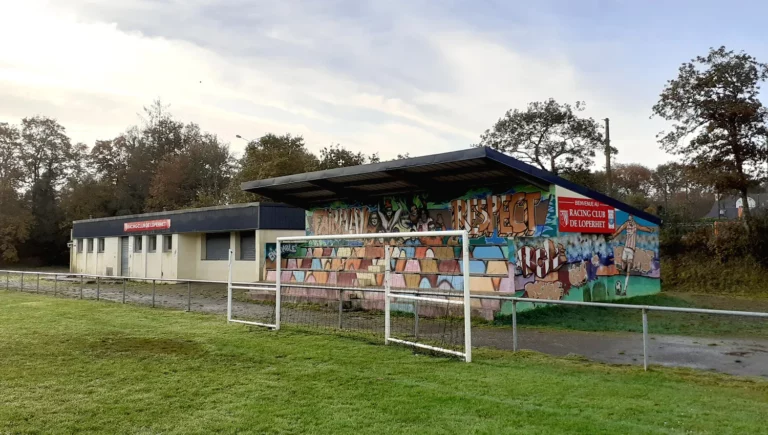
[
  {"x": 467, "y": 301},
  {"x": 229, "y": 286},
  {"x": 123, "y": 290},
  {"x": 37, "y": 284},
  {"x": 387, "y": 267},
  {"x": 645, "y": 340},
  {"x": 514, "y": 326},
  {"x": 81, "y": 286},
  {"x": 98, "y": 287},
  {"x": 22, "y": 281},
  {"x": 278, "y": 273},
  {"x": 153, "y": 293},
  {"x": 7, "y": 280},
  {"x": 55, "y": 284},
  {"x": 341, "y": 307},
  {"x": 189, "y": 296}
]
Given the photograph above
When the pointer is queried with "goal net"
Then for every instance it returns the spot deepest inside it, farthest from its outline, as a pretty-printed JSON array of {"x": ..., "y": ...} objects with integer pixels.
[{"x": 411, "y": 286}]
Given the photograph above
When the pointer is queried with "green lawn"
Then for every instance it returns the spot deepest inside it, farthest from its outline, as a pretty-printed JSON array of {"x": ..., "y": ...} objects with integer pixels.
[
  {"x": 611, "y": 319},
  {"x": 70, "y": 366}
]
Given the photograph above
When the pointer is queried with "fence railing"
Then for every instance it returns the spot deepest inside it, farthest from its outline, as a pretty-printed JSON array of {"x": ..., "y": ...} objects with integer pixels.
[{"x": 32, "y": 283}]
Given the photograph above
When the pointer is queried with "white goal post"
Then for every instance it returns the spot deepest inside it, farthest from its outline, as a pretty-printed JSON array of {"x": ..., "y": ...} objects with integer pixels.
[
  {"x": 231, "y": 286},
  {"x": 389, "y": 295}
]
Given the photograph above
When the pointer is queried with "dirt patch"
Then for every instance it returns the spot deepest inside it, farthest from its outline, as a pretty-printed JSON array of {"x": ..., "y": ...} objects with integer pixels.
[{"x": 146, "y": 346}]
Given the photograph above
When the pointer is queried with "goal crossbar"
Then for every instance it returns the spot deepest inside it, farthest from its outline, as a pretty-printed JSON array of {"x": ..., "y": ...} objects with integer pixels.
[
  {"x": 388, "y": 297},
  {"x": 422, "y": 298}
]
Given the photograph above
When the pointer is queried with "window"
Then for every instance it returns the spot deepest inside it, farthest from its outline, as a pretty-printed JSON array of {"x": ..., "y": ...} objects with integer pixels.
[
  {"x": 101, "y": 244},
  {"x": 90, "y": 245},
  {"x": 79, "y": 246},
  {"x": 152, "y": 245},
  {"x": 137, "y": 243},
  {"x": 168, "y": 243},
  {"x": 217, "y": 246},
  {"x": 248, "y": 246}
]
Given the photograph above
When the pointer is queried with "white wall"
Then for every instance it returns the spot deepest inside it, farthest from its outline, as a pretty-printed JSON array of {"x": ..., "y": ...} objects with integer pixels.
[
  {"x": 184, "y": 261},
  {"x": 562, "y": 191},
  {"x": 96, "y": 263}
]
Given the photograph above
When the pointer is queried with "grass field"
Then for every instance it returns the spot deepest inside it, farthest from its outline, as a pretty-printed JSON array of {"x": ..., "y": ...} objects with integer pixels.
[
  {"x": 605, "y": 319},
  {"x": 69, "y": 366}
]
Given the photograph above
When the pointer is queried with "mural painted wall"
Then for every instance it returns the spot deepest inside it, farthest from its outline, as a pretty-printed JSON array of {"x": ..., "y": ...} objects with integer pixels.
[{"x": 519, "y": 244}]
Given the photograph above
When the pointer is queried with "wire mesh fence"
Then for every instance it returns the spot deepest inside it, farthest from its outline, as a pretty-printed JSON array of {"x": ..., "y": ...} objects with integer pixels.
[{"x": 668, "y": 340}]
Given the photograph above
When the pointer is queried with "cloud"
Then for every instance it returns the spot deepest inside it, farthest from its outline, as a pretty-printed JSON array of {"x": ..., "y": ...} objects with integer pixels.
[{"x": 373, "y": 76}]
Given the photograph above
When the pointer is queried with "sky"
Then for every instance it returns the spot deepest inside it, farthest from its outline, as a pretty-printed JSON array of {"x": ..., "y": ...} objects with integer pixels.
[{"x": 391, "y": 77}]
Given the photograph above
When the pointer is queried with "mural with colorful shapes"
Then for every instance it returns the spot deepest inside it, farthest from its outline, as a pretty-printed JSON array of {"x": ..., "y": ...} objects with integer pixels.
[
  {"x": 521, "y": 212},
  {"x": 515, "y": 248}
]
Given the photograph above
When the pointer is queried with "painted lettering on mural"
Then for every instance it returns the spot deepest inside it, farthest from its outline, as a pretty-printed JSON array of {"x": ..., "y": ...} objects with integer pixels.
[
  {"x": 585, "y": 216},
  {"x": 285, "y": 249},
  {"x": 512, "y": 215},
  {"x": 541, "y": 261}
]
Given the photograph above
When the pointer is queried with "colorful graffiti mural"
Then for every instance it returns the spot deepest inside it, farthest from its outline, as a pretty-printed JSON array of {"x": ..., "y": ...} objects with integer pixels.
[
  {"x": 580, "y": 266},
  {"x": 484, "y": 214},
  {"x": 515, "y": 246}
]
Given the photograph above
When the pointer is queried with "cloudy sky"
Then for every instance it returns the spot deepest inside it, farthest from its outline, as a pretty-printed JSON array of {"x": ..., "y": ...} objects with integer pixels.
[{"x": 375, "y": 76}]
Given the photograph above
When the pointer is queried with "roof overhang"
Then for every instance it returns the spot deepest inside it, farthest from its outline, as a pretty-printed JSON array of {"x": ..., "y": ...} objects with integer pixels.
[{"x": 444, "y": 176}]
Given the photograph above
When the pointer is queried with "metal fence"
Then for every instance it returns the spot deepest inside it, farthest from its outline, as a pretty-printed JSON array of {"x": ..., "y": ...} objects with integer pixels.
[{"x": 208, "y": 296}]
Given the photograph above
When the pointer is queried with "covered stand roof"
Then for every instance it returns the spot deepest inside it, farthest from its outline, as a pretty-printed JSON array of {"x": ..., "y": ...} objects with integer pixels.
[{"x": 443, "y": 176}]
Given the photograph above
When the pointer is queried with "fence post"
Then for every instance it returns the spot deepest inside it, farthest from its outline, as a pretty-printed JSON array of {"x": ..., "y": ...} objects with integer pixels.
[
  {"x": 387, "y": 320},
  {"x": 8, "y": 280},
  {"x": 230, "y": 254},
  {"x": 37, "y": 284},
  {"x": 467, "y": 300},
  {"x": 22, "y": 281},
  {"x": 514, "y": 326},
  {"x": 98, "y": 287},
  {"x": 81, "y": 286},
  {"x": 645, "y": 340},
  {"x": 189, "y": 296},
  {"x": 341, "y": 306},
  {"x": 416, "y": 319},
  {"x": 123, "y": 290},
  {"x": 153, "y": 293},
  {"x": 278, "y": 276},
  {"x": 55, "y": 283}
]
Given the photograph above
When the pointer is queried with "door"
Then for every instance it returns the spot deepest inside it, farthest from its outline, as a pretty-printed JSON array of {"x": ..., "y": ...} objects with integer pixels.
[{"x": 125, "y": 268}]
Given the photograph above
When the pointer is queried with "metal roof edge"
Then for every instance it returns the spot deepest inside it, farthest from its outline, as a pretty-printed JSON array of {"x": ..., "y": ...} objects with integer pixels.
[
  {"x": 451, "y": 156},
  {"x": 555, "y": 179},
  {"x": 184, "y": 210}
]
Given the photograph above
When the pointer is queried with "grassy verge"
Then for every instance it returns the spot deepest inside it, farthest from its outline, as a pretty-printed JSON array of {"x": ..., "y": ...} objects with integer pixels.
[
  {"x": 700, "y": 275},
  {"x": 70, "y": 366},
  {"x": 611, "y": 319}
]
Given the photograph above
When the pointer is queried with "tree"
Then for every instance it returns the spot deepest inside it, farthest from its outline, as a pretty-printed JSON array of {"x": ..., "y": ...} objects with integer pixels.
[
  {"x": 271, "y": 156},
  {"x": 15, "y": 218},
  {"x": 46, "y": 150},
  {"x": 632, "y": 183},
  {"x": 197, "y": 176},
  {"x": 47, "y": 157},
  {"x": 336, "y": 156},
  {"x": 549, "y": 135},
  {"x": 668, "y": 179},
  {"x": 719, "y": 122},
  {"x": 86, "y": 198}
]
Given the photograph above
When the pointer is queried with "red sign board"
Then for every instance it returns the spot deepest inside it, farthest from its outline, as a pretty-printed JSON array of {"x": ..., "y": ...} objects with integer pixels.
[
  {"x": 159, "y": 224},
  {"x": 577, "y": 215}
]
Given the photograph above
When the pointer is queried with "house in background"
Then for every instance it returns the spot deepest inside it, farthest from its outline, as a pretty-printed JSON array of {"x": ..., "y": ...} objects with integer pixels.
[{"x": 731, "y": 207}]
